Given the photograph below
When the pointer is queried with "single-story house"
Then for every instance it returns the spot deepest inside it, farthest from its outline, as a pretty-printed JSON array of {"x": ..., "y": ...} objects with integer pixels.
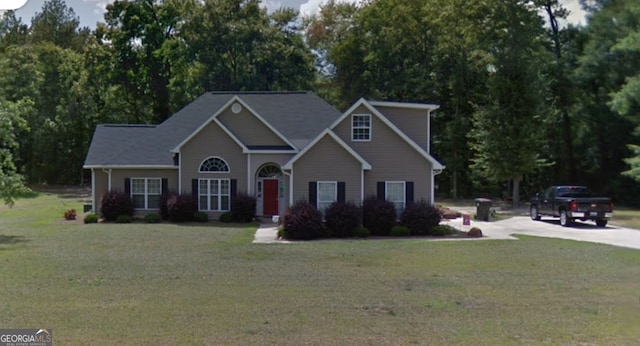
[{"x": 279, "y": 146}]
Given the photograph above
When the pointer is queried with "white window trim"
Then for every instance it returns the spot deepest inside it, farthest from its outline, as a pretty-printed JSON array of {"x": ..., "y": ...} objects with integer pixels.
[
  {"x": 211, "y": 172},
  {"x": 335, "y": 193},
  {"x": 404, "y": 193},
  {"x": 361, "y": 127},
  {"x": 210, "y": 195},
  {"x": 146, "y": 191}
]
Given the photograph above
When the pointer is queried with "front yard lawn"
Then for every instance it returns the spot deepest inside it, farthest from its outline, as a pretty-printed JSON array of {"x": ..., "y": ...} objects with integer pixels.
[{"x": 166, "y": 284}]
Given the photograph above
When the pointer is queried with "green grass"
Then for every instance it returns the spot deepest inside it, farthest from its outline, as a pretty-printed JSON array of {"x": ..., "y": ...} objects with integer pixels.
[
  {"x": 167, "y": 284},
  {"x": 626, "y": 218}
]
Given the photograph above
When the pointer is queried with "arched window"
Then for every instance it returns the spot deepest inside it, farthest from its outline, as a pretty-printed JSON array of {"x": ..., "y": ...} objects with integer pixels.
[
  {"x": 214, "y": 164},
  {"x": 270, "y": 171}
]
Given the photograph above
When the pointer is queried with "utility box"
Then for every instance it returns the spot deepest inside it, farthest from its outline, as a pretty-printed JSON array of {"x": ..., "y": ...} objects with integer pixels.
[{"x": 483, "y": 208}]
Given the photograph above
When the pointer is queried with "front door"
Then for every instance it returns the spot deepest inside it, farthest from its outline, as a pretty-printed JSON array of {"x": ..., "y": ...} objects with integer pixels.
[{"x": 270, "y": 197}]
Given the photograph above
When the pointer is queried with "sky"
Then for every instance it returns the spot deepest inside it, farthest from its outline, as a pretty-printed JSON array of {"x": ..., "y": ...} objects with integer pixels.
[{"x": 92, "y": 11}]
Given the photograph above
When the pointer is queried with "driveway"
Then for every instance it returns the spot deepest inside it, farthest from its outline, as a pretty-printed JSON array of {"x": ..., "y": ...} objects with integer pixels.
[{"x": 548, "y": 227}]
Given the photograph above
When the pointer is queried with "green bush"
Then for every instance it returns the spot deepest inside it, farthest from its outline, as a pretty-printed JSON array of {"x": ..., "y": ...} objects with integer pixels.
[
  {"x": 361, "y": 232},
  {"x": 378, "y": 215},
  {"x": 421, "y": 217},
  {"x": 342, "y": 218},
  {"x": 400, "y": 231},
  {"x": 91, "y": 218},
  {"x": 201, "y": 216},
  {"x": 226, "y": 217},
  {"x": 441, "y": 230},
  {"x": 152, "y": 218},
  {"x": 302, "y": 221},
  {"x": 124, "y": 219}
]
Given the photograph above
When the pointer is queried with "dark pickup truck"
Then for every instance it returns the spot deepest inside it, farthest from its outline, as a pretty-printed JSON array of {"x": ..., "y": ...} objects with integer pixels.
[{"x": 571, "y": 203}]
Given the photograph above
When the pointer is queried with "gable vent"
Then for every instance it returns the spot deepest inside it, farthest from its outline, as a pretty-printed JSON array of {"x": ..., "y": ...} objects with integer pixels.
[{"x": 236, "y": 108}]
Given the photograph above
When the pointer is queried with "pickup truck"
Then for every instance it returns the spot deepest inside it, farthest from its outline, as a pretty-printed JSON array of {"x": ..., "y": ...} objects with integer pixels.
[{"x": 571, "y": 203}]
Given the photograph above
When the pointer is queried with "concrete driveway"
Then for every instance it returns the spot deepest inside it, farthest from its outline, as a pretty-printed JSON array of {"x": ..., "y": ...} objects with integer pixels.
[{"x": 549, "y": 227}]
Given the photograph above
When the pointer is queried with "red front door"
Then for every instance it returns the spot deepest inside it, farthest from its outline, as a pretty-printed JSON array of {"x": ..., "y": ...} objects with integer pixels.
[{"x": 270, "y": 197}]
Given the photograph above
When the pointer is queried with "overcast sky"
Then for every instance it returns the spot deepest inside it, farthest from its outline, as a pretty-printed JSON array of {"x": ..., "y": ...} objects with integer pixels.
[{"x": 92, "y": 11}]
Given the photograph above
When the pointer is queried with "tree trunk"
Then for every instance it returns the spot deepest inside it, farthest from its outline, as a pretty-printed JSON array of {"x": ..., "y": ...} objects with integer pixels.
[{"x": 516, "y": 192}]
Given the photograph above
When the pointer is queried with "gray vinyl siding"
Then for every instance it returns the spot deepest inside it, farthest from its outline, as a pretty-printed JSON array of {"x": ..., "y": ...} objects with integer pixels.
[
  {"x": 212, "y": 141},
  {"x": 119, "y": 175},
  {"x": 327, "y": 161},
  {"x": 390, "y": 156},
  {"x": 249, "y": 129},
  {"x": 413, "y": 122}
]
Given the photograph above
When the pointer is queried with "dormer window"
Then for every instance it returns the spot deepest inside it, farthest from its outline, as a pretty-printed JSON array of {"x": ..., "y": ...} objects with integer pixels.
[{"x": 361, "y": 127}]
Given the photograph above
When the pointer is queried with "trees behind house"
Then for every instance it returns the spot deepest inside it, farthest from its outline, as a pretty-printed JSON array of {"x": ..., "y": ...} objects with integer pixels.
[{"x": 524, "y": 100}]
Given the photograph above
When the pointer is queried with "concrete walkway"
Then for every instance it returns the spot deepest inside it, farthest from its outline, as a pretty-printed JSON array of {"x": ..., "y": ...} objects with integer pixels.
[{"x": 506, "y": 229}]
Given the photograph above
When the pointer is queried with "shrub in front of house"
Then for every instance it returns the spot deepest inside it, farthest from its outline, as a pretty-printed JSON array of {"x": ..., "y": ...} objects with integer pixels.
[
  {"x": 243, "y": 207},
  {"x": 180, "y": 208},
  {"x": 91, "y": 218},
  {"x": 152, "y": 218},
  {"x": 361, "y": 232},
  {"x": 421, "y": 217},
  {"x": 378, "y": 215},
  {"x": 342, "y": 218},
  {"x": 124, "y": 219},
  {"x": 114, "y": 204},
  {"x": 442, "y": 230},
  {"x": 302, "y": 222},
  {"x": 201, "y": 216},
  {"x": 226, "y": 217},
  {"x": 400, "y": 231}
]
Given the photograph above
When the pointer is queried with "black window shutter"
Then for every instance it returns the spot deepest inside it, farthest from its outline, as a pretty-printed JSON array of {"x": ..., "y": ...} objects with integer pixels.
[
  {"x": 194, "y": 187},
  {"x": 233, "y": 189},
  {"x": 165, "y": 186},
  {"x": 127, "y": 185},
  {"x": 341, "y": 191},
  {"x": 408, "y": 192},
  {"x": 381, "y": 192},
  {"x": 313, "y": 193}
]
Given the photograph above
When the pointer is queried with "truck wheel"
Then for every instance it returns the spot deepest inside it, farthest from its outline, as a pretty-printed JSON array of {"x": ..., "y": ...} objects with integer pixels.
[
  {"x": 565, "y": 220},
  {"x": 601, "y": 223},
  {"x": 533, "y": 212}
]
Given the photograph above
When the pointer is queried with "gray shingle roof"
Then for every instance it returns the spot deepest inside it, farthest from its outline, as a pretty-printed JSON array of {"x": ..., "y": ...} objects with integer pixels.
[{"x": 299, "y": 116}]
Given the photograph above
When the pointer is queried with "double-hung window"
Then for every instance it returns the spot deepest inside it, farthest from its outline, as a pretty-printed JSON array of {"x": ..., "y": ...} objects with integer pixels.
[
  {"x": 214, "y": 194},
  {"x": 145, "y": 192},
  {"x": 395, "y": 192},
  {"x": 327, "y": 194},
  {"x": 361, "y": 127}
]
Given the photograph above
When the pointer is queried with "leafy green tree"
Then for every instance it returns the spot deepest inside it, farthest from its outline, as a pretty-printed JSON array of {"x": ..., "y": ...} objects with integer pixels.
[
  {"x": 58, "y": 24},
  {"x": 607, "y": 66},
  {"x": 138, "y": 31},
  {"x": 11, "y": 123},
  {"x": 504, "y": 138},
  {"x": 12, "y": 30},
  {"x": 460, "y": 80},
  {"x": 238, "y": 46},
  {"x": 324, "y": 31}
]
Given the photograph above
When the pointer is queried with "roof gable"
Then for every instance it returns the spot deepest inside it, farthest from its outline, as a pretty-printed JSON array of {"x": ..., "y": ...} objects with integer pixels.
[
  {"x": 364, "y": 103},
  {"x": 328, "y": 132}
]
